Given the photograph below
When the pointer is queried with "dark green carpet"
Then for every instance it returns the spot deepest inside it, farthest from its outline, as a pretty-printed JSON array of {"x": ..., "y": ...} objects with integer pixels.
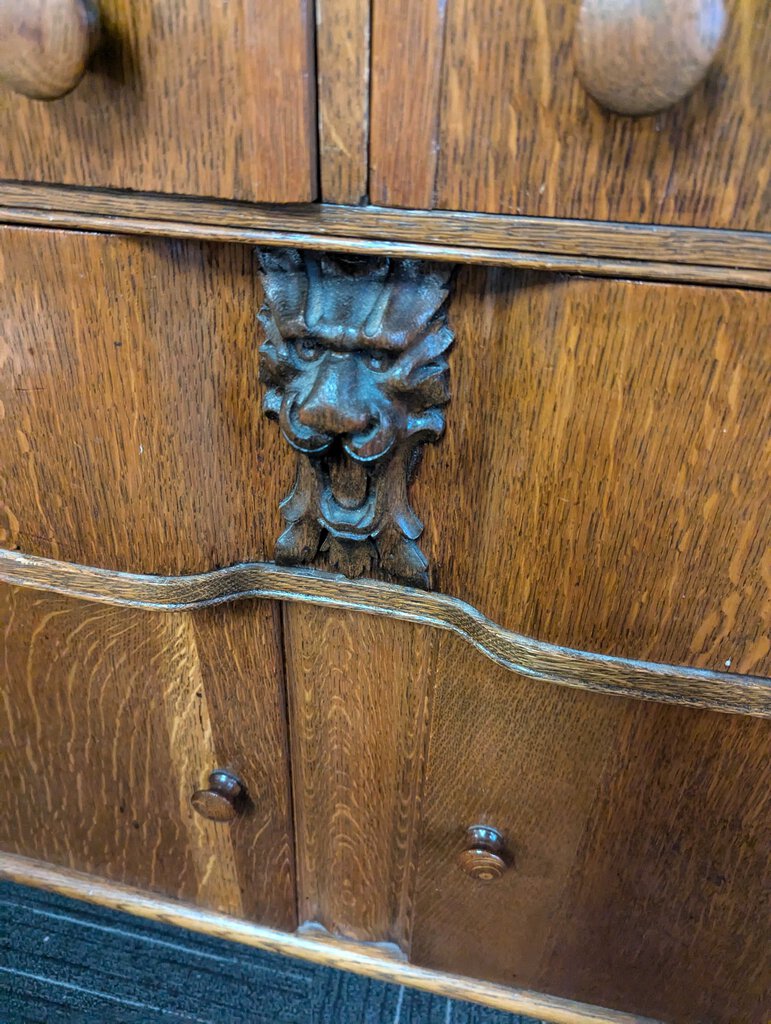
[{"x": 64, "y": 962}]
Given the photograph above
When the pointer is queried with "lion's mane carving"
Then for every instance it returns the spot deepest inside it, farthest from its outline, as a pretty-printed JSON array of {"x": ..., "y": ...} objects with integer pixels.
[{"x": 355, "y": 367}]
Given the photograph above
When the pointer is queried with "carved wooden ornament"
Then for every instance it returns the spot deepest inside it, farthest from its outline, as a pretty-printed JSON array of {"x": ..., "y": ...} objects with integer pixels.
[{"x": 355, "y": 366}]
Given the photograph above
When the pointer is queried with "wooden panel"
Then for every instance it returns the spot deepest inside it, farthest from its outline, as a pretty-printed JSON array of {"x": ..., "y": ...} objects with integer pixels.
[
  {"x": 132, "y": 433},
  {"x": 358, "y": 702},
  {"x": 606, "y": 465},
  {"x": 195, "y": 98},
  {"x": 342, "y": 72},
  {"x": 639, "y": 836},
  {"x": 518, "y": 134},
  {"x": 115, "y": 717}
]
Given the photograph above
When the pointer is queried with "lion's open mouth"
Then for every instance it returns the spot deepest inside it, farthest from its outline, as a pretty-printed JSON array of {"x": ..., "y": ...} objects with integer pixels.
[{"x": 348, "y": 492}]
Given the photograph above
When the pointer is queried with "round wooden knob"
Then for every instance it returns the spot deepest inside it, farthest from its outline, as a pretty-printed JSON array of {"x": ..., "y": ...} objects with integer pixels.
[
  {"x": 641, "y": 56},
  {"x": 484, "y": 854},
  {"x": 223, "y": 800},
  {"x": 45, "y": 44}
]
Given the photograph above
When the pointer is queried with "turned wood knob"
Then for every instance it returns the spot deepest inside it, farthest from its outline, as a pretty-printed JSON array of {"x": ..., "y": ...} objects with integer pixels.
[
  {"x": 223, "y": 800},
  {"x": 484, "y": 854},
  {"x": 641, "y": 56},
  {"x": 45, "y": 44}
]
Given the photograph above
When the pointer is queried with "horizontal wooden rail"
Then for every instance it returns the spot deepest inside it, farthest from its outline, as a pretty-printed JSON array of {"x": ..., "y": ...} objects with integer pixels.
[{"x": 700, "y": 688}]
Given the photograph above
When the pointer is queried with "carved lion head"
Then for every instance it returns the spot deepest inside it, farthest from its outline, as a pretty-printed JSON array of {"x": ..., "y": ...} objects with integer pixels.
[{"x": 355, "y": 363}]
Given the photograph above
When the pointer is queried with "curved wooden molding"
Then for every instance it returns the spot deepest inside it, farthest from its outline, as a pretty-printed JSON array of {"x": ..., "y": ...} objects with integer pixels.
[
  {"x": 360, "y": 958},
  {"x": 669, "y": 684}
]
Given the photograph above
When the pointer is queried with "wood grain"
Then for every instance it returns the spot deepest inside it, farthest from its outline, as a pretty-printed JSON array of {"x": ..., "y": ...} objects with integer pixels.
[
  {"x": 639, "y": 837},
  {"x": 721, "y": 691},
  {"x": 359, "y": 707},
  {"x": 600, "y": 267},
  {"x": 355, "y": 957},
  {"x": 201, "y": 99},
  {"x": 608, "y": 435},
  {"x": 517, "y": 133},
  {"x": 115, "y": 717},
  {"x": 342, "y": 75},
  {"x": 407, "y": 50},
  {"x": 132, "y": 428},
  {"x": 449, "y": 229}
]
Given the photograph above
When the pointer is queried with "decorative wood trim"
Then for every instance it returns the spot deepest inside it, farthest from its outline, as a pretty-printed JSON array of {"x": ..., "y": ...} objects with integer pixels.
[
  {"x": 690, "y": 687},
  {"x": 358, "y": 958},
  {"x": 653, "y": 252},
  {"x": 355, "y": 367}
]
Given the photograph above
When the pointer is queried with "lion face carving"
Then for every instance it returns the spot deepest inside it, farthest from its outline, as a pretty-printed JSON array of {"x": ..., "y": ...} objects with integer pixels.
[{"x": 355, "y": 363}]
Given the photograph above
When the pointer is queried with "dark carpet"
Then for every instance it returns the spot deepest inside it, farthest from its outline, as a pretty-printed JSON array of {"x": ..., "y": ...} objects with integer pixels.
[{"x": 64, "y": 962}]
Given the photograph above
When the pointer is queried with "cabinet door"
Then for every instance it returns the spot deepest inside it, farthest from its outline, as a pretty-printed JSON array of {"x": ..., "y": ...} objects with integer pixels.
[
  {"x": 635, "y": 846},
  {"x": 211, "y": 99},
  {"x": 476, "y": 105},
  {"x": 114, "y": 717}
]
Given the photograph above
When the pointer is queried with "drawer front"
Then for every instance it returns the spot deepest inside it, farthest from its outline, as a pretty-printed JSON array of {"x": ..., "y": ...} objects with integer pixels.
[
  {"x": 634, "y": 846},
  {"x": 604, "y": 452},
  {"x": 196, "y": 99},
  {"x": 492, "y": 116},
  {"x": 116, "y": 717}
]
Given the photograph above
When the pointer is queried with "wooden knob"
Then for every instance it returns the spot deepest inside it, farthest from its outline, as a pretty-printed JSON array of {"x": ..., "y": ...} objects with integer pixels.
[
  {"x": 45, "y": 44},
  {"x": 223, "y": 800},
  {"x": 641, "y": 56},
  {"x": 484, "y": 854}
]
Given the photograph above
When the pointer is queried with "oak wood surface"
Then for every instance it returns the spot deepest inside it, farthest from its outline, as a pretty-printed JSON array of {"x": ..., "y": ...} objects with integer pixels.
[
  {"x": 206, "y": 99},
  {"x": 516, "y": 132},
  {"x": 44, "y": 45},
  {"x": 721, "y": 691},
  {"x": 342, "y": 76},
  {"x": 351, "y": 956},
  {"x": 639, "y": 839},
  {"x": 116, "y": 716},
  {"x": 358, "y": 722},
  {"x": 637, "y": 242},
  {"x": 607, "y": 437}
]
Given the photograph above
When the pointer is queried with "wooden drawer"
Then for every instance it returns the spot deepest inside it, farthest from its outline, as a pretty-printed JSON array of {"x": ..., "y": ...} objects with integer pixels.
[
  {"x": 116, "y": 716},
  {"x": 604, "y": 448},
  {"x": 636, "y": 837},
  {"x": 200, "y": 99},
  {"x": 492, "y": 117}
]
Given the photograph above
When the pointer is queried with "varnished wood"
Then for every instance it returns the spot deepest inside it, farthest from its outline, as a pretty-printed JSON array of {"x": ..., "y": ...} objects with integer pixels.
[
  {"x": 357, "y": 957},
  {"x": 198, "y": 99},
  {"x": 483, "y": 857},
  {"x": 342, "y": 75},
  {"x": 721, "y": 691},
  {"x": 44, "y": 45},
  {"x": 632, "y": 246},
  {"x": 518, "y": 134},
  {"x": 639, "y": 835},
  {"x": 359, "y": 727},
  {"x": 222, "y": 800},
  {"x": 404, "y": 250},
  {"x": 590, "y": 422},
  {"x": 641, "y": 56},
  {"x": 115, "y": 716}
]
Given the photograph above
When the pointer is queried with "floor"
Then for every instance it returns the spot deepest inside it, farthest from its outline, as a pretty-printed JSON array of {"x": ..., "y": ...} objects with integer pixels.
[{"x": 64, "y": 962}]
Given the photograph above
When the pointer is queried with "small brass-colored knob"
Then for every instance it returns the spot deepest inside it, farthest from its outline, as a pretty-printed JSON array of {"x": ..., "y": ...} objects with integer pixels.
[
  {"x": 642, "y": 56},
  {"x": 484, "y": 854},
  {"x": 45, "y": 44},
  {"x": 224, "y": 798}
]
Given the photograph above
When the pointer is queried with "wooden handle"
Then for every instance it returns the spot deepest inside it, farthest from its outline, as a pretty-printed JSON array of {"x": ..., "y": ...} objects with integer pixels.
[
  {"x": 45, "y": 44},
  {"x": 484, "y": 854},
  {"x": 223, "y": 800},
  {"x": 642, "y": 56}
]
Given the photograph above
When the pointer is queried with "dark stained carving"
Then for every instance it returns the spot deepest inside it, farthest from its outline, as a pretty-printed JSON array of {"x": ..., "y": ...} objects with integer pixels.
[{"x": 355, "y": 364}]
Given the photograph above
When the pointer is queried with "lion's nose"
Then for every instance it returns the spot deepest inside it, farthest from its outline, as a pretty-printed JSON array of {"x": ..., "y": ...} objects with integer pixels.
[{"x": 337, "y": 402}]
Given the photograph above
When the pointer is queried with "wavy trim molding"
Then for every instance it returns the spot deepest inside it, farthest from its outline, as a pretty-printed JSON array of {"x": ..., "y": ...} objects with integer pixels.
[{"x": 668, "y": 684}]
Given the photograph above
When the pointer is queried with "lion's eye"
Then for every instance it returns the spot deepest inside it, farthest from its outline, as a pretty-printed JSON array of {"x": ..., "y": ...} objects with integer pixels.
[
  {"x": 378, "y": 361},
  {"x": 308, "y": 349}
]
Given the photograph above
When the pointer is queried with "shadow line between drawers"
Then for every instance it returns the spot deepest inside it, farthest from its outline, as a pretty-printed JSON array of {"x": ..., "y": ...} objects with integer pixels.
[{"x": 692, "y": 687}]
